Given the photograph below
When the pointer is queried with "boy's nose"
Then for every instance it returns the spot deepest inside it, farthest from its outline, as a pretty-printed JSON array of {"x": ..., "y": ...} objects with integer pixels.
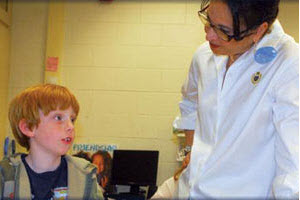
[{"x": 70, "y": 125}]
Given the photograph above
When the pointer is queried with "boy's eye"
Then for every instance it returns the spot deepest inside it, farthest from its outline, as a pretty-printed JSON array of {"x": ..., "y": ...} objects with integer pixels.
[
  {"x": 73, "y": 120},
  {"x": 58, "y": 117}
]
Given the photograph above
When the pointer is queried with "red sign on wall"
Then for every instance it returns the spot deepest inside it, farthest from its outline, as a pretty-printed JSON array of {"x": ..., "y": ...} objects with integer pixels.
[{"x": 52, "y": 64}]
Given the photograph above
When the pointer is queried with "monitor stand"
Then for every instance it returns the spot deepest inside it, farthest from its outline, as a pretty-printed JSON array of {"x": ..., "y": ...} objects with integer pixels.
[
  {"x": 135, "y": 189},
  {"x": 133, "y": 194}
]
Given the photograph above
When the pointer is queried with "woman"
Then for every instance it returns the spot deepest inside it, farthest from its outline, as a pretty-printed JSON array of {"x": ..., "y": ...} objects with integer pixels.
[
  {"x": 243, "y": 87},
  {"x": 102, "y": 160}
]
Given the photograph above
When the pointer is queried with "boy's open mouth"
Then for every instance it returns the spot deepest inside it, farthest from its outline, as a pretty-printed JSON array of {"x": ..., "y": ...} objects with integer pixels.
[{"x": 67, "y": 139}]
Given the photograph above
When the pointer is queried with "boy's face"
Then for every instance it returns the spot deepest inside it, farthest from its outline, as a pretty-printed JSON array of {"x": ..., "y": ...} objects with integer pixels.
[{"x": 55, "y": 133}]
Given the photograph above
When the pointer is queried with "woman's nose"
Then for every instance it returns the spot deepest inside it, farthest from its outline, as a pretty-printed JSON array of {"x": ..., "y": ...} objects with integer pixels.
[{"x": 210, "y": 33}]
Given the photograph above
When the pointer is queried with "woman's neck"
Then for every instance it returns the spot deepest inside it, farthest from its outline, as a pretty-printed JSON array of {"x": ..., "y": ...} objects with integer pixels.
[{"x": 232, "y": 59}]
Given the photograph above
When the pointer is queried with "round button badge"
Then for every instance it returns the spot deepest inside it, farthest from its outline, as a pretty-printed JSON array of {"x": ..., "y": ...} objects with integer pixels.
[{"x": 265, "y": 54}]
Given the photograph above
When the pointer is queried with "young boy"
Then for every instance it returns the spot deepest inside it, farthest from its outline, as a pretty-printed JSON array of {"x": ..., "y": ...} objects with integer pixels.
[{"x": 42, "y": 120}]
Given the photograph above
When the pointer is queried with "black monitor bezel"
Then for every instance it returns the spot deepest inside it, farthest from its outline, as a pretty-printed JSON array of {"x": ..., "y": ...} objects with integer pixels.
[{"x": 132, "y": 183}]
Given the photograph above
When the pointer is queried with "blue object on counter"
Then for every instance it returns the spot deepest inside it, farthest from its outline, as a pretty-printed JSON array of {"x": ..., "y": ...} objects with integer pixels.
[{"x": 6, "y": 145}]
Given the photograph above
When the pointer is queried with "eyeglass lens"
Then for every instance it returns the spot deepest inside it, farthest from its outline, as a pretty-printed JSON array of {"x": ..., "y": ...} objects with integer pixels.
[{"x": 204, "y": 19}]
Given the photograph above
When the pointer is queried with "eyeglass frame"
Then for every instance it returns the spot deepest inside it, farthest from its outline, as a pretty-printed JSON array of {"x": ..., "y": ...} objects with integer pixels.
[{"x": 206, "y": 21}]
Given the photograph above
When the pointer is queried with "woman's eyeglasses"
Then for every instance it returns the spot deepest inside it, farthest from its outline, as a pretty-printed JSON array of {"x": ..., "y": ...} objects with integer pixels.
[{"x": 219, "y": 31}]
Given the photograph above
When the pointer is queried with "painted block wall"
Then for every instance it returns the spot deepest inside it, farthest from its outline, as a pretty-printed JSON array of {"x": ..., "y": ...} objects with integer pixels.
[
  {"x": 125, "y": 61},
  {"x": 29, "y": 26},
  {"x": 5, "y": 36},
  {"x": 28, "y": 39}
]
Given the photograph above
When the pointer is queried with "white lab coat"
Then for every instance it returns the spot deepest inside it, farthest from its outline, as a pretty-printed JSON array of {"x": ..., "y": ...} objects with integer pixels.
[
  {"x": 166, "y": 190},
  {"x": 246, "y": 135}
]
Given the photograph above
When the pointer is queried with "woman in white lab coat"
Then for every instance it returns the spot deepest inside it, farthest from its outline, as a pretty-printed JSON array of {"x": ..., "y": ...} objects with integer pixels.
[{"x": 241, "y": 99}]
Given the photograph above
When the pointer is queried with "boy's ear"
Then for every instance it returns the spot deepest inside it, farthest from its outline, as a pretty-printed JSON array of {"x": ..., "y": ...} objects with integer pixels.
[{"x": 25, "y": 129}]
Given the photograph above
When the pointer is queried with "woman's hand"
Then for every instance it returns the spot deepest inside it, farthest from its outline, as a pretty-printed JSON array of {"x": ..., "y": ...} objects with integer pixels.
[
  {"x": 184, "y": 165},
  {"x": 186, "y": 160}
]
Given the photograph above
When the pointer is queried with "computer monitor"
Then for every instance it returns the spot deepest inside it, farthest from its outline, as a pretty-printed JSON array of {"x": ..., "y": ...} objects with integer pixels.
[{"x": 135, "y": 168}]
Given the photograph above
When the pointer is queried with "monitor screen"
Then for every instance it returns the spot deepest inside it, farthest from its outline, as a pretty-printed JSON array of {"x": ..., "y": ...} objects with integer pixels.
[{"x": 134, "y": 167}]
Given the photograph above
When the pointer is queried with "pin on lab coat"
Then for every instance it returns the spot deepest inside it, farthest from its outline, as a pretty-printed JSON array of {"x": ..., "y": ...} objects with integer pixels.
[{"x": 247, "y": 127}]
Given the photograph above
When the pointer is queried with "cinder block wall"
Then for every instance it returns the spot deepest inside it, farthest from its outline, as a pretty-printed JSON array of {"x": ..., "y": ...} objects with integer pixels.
[
  {"x": 5, "y": 36},
  {"x": 29, "y": 28},
  {"x": 125, "y": 61},
  {"x": 28, "y": 38}
]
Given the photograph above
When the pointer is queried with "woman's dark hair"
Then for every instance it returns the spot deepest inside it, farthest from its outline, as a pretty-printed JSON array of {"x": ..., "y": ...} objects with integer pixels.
[
  {"x": 251, "y": 13},
  {"x": 107, "y": 161},
  {"x": 107, "y": 169}
]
